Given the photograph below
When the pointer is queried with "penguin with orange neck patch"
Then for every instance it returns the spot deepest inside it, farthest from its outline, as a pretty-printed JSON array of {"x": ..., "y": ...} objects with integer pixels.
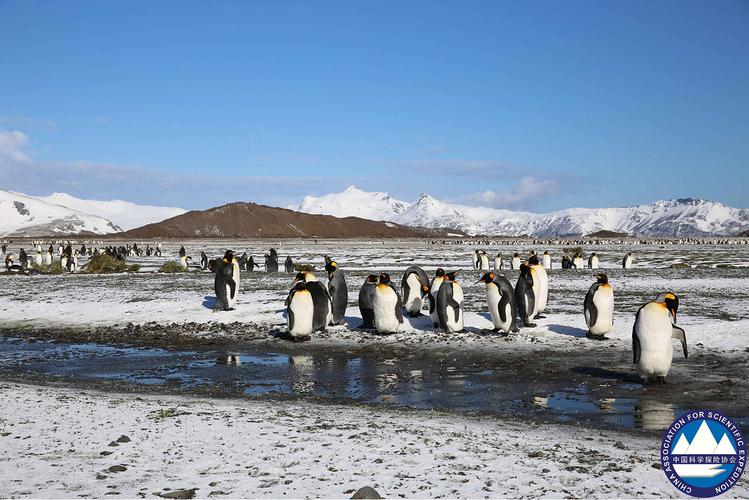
[
  {"x": 450, "y": 304},
  {"x": 500, "y": 298},
  {"x": 652, "y": 334},
  {"x": 226, "y": 282},
  {"x": 414, "y": 286},
  {"x": 599, "y": 307},
  {"x": 388, "y": 314}
]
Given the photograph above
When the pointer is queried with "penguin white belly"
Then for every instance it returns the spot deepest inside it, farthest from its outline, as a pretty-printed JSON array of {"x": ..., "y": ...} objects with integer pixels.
[
  {"x": 536, "y": 292},
  {"x": 384, "y": 310},
  {"x": 452, "y": 325},
  {"x": 547, "y": 261},
  {"x": 232, "y": 298},
  {"x": 38, "y": 259},
  {"x": 413, "y": 302},
  {"x": 433, "y": 292},
  {"x": 48, "y": 258},
  {"x": 627, "y": 262},
  {"x": 578, "y": 262},
  {"x": 484, "y": 263},
  {"x": 515, "y": 263},
  {"x": 303, "y": 309},
  {"x": 497, "y": 263},
  {"x": 493, "y": 296},
  {"x": 604, "y": 302},
  {"x": 653, "y": 329},
  {"x": 594, "y": 263},
  {"x": 543, "y": 288}
]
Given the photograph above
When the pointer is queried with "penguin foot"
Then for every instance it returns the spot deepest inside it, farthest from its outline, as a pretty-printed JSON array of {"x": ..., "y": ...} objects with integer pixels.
[
  {"x": 595, "y": 337},
  {"x": 530, "y": 325},
  {"x": 540, "y": 316},
  {"x": 305, "y": 338},
  {"x": 515, "y": 330}
]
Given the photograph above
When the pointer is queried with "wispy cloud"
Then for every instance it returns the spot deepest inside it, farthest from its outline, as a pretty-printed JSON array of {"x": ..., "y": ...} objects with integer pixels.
[
  {"x": 19, "y": 171},
  {"x": 461, "y": 167},
  {"x": 528, "y": 193},
  {"x": 24, "y": 122}
]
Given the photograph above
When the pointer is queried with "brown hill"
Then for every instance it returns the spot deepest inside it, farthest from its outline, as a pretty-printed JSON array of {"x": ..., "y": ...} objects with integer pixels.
[
  {"x": 605, "y": 233},
  {"x": 250, "y": 220}
]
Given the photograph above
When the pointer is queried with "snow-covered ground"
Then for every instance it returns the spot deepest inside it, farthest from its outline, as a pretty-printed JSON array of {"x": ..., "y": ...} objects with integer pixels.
[{"x": 64, "y": 443}]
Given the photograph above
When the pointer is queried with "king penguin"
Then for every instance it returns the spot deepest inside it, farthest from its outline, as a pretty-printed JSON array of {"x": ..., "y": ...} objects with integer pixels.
[
  {"x": 483, "y": 262},
  {"x": 323, "y": 309},
  {"x": 540, "y": 284},
  {"x": 627, "y": 261},
  {"x": 498, "y": 262},
  {"x": 500, "y": 298},
  {"x": 525, "y": 296},
  {"x": 366, "y": 301},
  {"x": 300, "y": 311},
  {"x": 203, "y": 261},
  {"x": 414, "y": 287},
  {"x": 434, "y": 289},
  {"x": 388, "y": 314},
  {"x": 599, "y": 307},
  {"x": 546, "y": 261},
  {"x": 515, "y": 262},
  {"x": 450, "y": 304},
  {"x": 577, "y": 261},
  {"x": 593, "y": 261},
  {"x": 652, "y": 332},
  {"x": 226, "y": 282},
  {"x": 338, "y": 291}
]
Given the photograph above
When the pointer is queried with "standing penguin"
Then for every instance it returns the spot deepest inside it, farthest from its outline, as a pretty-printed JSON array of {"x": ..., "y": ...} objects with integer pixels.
[
  {"x": 524, "y": 296},
  {"x": 323, "y": 309},
  {"x": 476, "y": 259},
  {"x": 203, "y": 261},
  {"x": 288, "y": 265},
  {"x": 38, "y": 258},
  {"x": 182, "y": 252},
  {"x": 652, "y": 332},
  {"x": 515, "y": 262},
  {"x": 599, "y": 307},
  {"x": 483, "y": 262},
  {"x": 251, "y": 265},
  {"x": 226, "y": 282},
  {"x": 627, "y": 261},
  {"x": 300, "y": 312},
  {"x": 183, "y": 261},
  {"x": 500, "y": 298},
  {"x": 366, "y": 301},
  {"x": 48, "y": 256},
  {"x": 450, "y": 304},
  {"x": 566, "y": 262},
  {"x": 593, "y": 261},
  {"x": 498, "y": 262},
  {"x": 271, "y": 261},
  {"x": 673, "y": 302},
  {"x": 577, "y": 261},
  {"x": 338, "y": 291},
  {"x": 434, "y": 289},
  {"x": 540, "y": 285},
  {"x": 388, "y": 314},
  {"x": 414, "y": 287},
  {"x": 546, "y": 261}
]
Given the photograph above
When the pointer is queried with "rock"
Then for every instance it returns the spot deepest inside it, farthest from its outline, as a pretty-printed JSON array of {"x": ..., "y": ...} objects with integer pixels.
[
  {"x": 620, "y": 445},
  {"x": 101, "y": 476},
  {"x": 113, "y": 443},
  {"x": 656, "y": 465},
  {"x": 105, "y": 453},
  {"x": 123, "y": 439},
  {"x": 190, "y": 493},
  {"x": 117, "y": 468},
  {"x": 367, "y": 492}
]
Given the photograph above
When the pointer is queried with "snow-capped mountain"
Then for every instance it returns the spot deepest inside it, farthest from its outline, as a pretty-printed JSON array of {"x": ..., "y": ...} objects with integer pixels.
[
  {"x": 353, "y": 202},
  {"x": 60, "y": 213},
  {"x": 669, "y": 218},
  {"x": 123, "y": 213},
  {"x": 23, "y": 215}
]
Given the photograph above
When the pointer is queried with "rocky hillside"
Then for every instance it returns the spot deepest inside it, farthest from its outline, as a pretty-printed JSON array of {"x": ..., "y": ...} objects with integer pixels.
[{"x": 249, "y": 220}]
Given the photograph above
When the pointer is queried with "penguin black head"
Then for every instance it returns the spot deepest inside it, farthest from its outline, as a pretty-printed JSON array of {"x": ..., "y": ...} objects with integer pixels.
[
  {"x": 533, "y": 260},
  {"x": 602, "y": 278},
  {"x": 525, "y": 269},
  {"x": 228, "y": 256},
  {"x": 372, "y": 278},
  {"x": 330, "y": 265},
  {"x": 487, "y": 278},
  {"x": 384, "y": 278},
  {"x": 439, "y": 272},
  {"x": 516, "y": 255},
  {"x": 452, "y": 275},
  {"x": 672, "y": 302},
  {"x": 301, "y": 276},
  {"x": 299, "y": 285}
]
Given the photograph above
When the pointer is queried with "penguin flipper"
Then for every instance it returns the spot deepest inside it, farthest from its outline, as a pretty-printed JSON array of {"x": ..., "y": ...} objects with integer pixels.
[
  {"x": 290, "y": 314},
  {"x": 680, "y": 334},
  {"x": 456, "y": 307},
  {"x": 635, "y": 346},
  {"x": 590, "y": 309}
]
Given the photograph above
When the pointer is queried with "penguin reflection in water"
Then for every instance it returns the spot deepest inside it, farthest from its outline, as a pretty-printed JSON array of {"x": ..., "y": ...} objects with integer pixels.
[
  {"x": 652, "y": 350},
  {"x": 226, "y": 283}
]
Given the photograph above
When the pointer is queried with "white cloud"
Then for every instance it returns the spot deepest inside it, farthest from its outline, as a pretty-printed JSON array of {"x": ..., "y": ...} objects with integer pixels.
[
  {"x": 529, "y": 192},
  {"x": 12, "y": 146}
]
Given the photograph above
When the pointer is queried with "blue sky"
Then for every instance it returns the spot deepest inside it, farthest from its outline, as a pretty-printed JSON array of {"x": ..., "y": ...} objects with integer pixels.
[{"x": 530, "y": 105}]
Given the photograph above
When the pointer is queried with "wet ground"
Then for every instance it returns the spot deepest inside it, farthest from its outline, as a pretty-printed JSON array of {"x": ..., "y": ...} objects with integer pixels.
[{"x": 546, "y": 386}]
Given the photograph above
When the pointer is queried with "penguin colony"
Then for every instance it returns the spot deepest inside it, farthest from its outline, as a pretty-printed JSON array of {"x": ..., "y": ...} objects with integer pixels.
[{"x": 313, "y": 306}]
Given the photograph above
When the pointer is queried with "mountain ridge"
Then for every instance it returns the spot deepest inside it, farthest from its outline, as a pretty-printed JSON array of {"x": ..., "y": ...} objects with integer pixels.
[{"x": 681, "y": 217}]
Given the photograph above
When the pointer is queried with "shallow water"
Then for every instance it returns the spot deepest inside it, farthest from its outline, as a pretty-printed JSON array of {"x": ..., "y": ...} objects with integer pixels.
[{"x": 456, "y": 383}]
